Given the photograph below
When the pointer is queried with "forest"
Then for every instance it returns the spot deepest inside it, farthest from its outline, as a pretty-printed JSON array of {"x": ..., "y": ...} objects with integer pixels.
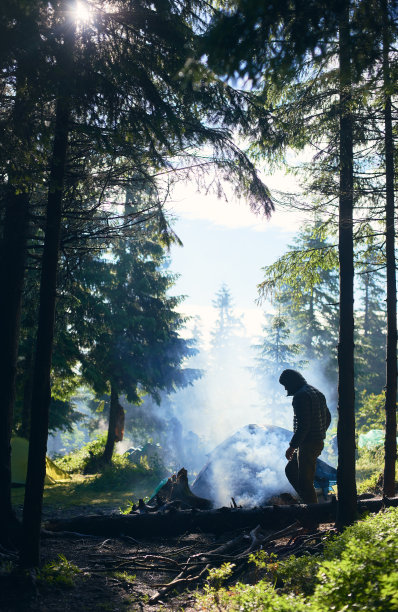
[{"x": 142, "y": 454}]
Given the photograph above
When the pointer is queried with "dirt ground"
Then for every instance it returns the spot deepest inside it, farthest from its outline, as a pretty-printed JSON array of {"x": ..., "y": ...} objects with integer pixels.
[
  {"x": 123, "y": 573},
  {"x": 115, "y": 574}
]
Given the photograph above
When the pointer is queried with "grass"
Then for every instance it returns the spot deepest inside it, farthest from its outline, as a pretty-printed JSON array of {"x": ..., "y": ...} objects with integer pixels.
[
  {"x": 369, "y": 470},
  {"x": 369, "y": 462},
  {"x": 115, "y": 487},
  {"x": 124, "y": 576},
  {"x": 60, "y": 573}
]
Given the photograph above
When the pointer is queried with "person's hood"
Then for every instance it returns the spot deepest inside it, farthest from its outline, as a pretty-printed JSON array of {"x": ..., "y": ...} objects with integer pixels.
[{"x": 292, "y": 381}]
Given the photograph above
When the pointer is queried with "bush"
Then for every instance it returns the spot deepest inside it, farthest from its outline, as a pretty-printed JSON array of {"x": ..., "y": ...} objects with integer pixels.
[
  {"x": 82, "y": 460},
  {"x": 245, "y": 598},
  {"x": 369, "y": 463},
  {"x": 359, "y": 571},
  {"x": 356, "y": 572},
  {"x": 299, "y": 574},
  {"x": 122, "y": 476}
]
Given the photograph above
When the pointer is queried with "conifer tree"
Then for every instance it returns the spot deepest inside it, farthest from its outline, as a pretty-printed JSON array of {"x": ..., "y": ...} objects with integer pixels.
[
  {"x": 111, "y": 92},
  {"x": 304, "y": 282},
  {"x": 273, "y": 46},
  {"x": 390, "y": 447},
  {"x": 137, "y": 348},
  {"x": 371, "y": 327}
]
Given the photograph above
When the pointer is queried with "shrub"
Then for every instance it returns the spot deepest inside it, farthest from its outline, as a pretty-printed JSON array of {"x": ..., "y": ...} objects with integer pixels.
[
  {"x": 359, "y": 571},
  {"x": 122, "y": 476},
  {"x": 299, "y": 574},
  {"x": 245, "y": 598},
  {"x": 356, "y": 572},
  {"x": 79, "y": 461}
]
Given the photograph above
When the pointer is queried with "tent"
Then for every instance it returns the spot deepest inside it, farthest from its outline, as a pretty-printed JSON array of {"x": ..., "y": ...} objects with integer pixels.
[{"x": 19, "y": 464}]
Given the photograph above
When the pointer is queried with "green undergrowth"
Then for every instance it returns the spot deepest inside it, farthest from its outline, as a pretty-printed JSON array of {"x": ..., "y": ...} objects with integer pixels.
[
  {"x": 59, "y": 573},
  {"x": 369, "y": 465},
  {"x": 357, "y": 571},
  {"x": 138, "y": 479},
  {"x": 116, "y": 485},
  {"x": 77, "y": 461},
  {"x": 78, "y": 493},
  {"x": 369, "y": 470}
]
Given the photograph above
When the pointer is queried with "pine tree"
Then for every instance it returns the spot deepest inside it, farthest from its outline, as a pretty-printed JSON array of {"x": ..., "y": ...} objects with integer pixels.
[
  {"x": 304, "y": 282},
  {"x": 274, "y": 353},
  {"x": 137, "y": 348},
  {"x": 110, "y": 93},
  {"x": 274, "y": 44},
  {"x": 371, "y": 326}
]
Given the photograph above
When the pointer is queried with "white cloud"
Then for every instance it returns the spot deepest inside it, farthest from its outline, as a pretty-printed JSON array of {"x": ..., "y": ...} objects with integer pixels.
[{"x": 187, "y": 203}]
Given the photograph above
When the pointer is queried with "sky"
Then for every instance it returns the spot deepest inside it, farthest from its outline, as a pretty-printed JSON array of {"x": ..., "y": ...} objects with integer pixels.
[{"x": 224, "y": 242}]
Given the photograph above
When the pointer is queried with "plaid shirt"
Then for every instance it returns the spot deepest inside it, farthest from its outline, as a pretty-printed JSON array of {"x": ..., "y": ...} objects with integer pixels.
[{"x": 311, "y": 416}]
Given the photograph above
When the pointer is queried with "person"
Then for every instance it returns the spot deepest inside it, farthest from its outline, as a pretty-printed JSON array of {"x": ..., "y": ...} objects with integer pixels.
[{"x": 311, "y": 420}]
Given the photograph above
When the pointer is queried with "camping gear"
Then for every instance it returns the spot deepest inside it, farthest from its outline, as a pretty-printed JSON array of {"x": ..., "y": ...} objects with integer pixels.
[
  {"x": 19, "y": 465},
  {"x": 374, "y": 438},
  {"x": 152, "y": 452}
]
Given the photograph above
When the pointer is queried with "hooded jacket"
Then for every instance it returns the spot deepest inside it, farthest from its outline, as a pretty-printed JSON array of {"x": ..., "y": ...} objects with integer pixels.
[{"x": 311, "y": 414}]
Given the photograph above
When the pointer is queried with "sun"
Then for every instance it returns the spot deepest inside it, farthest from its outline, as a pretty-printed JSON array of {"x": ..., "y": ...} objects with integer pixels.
[{"x": 81, "y": 12}]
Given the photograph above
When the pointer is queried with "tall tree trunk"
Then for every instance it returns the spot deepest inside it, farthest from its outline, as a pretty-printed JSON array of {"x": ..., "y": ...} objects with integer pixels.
[
  {"x": 390, "y": 445},
  {"x": 347, "y": 506},
  {"x": 12, "y": 271},
  {"x": 41, "y": 391},
  {"x": 12, "y": 257},
  {"x": 113, "y": 418}
]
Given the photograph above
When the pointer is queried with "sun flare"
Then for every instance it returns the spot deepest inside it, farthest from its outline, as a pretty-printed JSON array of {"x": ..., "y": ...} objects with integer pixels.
[{"x": 81, "y": 12}]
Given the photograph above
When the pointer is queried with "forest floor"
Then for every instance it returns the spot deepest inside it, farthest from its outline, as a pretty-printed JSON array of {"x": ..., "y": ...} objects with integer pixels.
[{"x": 122, "y": 573}]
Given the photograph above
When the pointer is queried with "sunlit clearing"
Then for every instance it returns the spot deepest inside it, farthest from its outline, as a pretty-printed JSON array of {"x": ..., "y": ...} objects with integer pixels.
[{"x": 81, "y": 12}]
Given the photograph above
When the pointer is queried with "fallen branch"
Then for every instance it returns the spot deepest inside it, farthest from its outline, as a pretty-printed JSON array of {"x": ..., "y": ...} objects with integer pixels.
[
  {"x": 178, "y": 581},
  {"x": 209, "y": 521}
]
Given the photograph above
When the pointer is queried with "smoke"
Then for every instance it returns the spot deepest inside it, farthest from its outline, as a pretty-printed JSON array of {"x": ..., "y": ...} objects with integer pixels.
[
  {"x": 248, "y": 466},
  {"x": 205, "y": 427},
  {"x": 244, "y": 462}
]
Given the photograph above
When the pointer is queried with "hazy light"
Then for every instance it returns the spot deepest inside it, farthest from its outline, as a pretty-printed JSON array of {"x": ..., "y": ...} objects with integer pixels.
[{"x": 81, "y": 12}]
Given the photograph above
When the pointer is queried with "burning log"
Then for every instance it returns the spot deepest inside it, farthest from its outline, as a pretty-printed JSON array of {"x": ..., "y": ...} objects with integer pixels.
[{"x": 175, "y": 522}]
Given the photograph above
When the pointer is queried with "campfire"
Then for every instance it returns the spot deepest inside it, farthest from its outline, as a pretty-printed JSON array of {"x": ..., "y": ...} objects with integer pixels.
[{"x": 174, "y": 494}]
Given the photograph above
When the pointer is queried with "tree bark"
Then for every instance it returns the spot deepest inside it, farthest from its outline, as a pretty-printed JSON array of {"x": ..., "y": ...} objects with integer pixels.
[
  {"x": 12, "y": 272},
  {"x": 347, "y": 508},
  {"x": 366, "y": 315},
  {"x": 41, "y": 392},
  {"x": 208, "y": 521},
  {"x": 390, "y": 445},
  {"x": 12, "y": 257},
  {"x": 113, "y": 415}
]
